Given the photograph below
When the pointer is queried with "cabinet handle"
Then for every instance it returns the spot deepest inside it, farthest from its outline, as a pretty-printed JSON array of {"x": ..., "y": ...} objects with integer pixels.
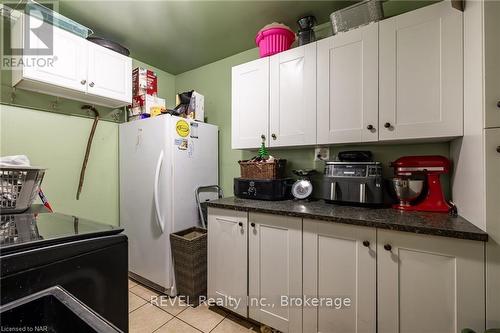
[
  {"x": 91, "y": 84},
  {"x": 83, "y": 82},
  {"x": 370, "y": 127},
  {"x": 273, "y": 136},
  {"x": 387, "y": 247},
  {"x": 366, "y": 243},
  {"x": 252, "y": 224},
  {"x": 240, "y": 224},
  {"x": 498, "y": 149},
  {"x": 387, "y": 125},
  {"x": 498, "y": 104},
  {"x": 263, "y": 137}
]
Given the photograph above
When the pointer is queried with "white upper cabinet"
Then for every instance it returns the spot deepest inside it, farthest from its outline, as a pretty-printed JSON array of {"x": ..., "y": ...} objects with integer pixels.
[
  {"x": 429, "y": 283},
  {"x": 292, "y": 115},
  {"x": 348, "y": 86},
  {"x": 250, "y": 104},
  {"x": 421, "y": 74},
  {"x": 76, "y": 68},
  {"x": 109, "y": 73},
  {"x": 69, "y": 57},
  {"x": 491, "y": 28}
]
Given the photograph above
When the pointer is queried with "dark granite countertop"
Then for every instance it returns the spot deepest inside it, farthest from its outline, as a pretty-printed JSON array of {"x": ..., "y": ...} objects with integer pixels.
[{"x": 385, "y": 218}]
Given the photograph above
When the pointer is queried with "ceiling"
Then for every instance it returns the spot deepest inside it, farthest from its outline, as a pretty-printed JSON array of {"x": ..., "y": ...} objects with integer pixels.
[{"x": 177, "y": 36}]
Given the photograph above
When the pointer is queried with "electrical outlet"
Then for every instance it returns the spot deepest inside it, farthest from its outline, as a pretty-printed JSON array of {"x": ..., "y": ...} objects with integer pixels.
[{"x": 322, "y": 153}]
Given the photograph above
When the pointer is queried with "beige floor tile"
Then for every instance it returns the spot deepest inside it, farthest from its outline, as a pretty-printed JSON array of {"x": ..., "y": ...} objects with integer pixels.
[
  {"x": 233, "y": 324},
  {"x": 134, "y": 301},
  {"x": 172, "y": 305},
  {"x": 147, "y": 318},
  {"x": 177, "y": 326},
  {"x": 144, "y": 292},
  {"x": 201, "y": 317},
  {"x": 131, "y": 283}
]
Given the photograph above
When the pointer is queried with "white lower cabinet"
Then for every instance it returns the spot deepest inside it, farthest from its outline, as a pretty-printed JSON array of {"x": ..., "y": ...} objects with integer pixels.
[
  {"x": 315, "y": 276},
  {"x": 492, "y": 159},
  {"x": 340, "y": 269},
  {"x": 429, "y": 284},
  {"x": 227, "y": 258},
  {"x": 275, "y": 270}
]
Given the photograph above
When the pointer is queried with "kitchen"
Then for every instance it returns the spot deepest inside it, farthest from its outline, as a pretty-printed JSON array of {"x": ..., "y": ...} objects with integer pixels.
[{"x": 423, "y": 68}]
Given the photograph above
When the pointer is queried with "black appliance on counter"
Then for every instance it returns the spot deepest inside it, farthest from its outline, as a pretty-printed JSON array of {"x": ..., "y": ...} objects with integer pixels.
[
  {"x": 88, "y": 259},
  {"x": 355, "y": 179},
  {"x": 263, "y": 189}
]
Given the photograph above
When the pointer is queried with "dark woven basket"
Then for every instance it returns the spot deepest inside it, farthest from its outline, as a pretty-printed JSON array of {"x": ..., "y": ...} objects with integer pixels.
[
  {"x": 190, "y": 262},
  {"x": 262, "y": 169}
]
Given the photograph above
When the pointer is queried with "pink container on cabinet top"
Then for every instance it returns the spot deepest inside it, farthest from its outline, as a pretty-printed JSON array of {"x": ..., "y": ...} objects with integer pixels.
[{"x": 274, "y": 38}]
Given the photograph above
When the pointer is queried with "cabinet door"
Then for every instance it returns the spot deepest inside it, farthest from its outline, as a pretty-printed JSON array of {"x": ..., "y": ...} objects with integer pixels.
[
  {"x": 491, "y": 63},
  {"x": 348, "y": 86},
  {"x": 110, "y": 74},
  {"x": 292, "y": 117},
  {"x": 492, "y": 148},
  {"x": 429, "y": 284},
  {"x": 275, "y": 270},
  {"x": 250, "y": 104},
  {"x": 69, "y": 66},
  {"x": 421, "y": 74},
  {"x": 340, "y": 264},
  {"x": 227, "y": 258}
]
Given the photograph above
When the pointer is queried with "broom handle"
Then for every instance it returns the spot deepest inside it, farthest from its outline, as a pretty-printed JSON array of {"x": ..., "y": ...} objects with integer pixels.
[{"x": 87, "y": 153}]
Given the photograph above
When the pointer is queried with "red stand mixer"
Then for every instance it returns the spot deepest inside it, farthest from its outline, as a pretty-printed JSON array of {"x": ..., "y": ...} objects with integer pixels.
[{"x": 417, "y": 184}]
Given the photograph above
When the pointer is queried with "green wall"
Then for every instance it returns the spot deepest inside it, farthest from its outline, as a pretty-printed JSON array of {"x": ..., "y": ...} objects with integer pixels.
[
  {"x": 57, "y": 142},
  {"x": 214, "y": 82}
]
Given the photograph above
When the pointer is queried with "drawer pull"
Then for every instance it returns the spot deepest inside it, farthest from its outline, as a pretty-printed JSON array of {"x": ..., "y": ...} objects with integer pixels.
[
  {"x": 252, "y": 224},
  {"x": 387, "y": 125},
  {"x": 366, "y": 243},
  {"x": 498, "y": 149},
  {"x": 388, "y": 247}
]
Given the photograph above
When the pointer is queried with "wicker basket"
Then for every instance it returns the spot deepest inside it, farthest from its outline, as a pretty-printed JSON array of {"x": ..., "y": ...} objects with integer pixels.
[
  {"x": 263, "y": 169},
  {"x": 189, "y": 250}
]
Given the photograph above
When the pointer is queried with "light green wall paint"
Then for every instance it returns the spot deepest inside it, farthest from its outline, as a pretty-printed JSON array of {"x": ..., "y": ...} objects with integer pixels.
[
  {"x": 214, "y": 82},
  {"x": 57, "y": 142}
]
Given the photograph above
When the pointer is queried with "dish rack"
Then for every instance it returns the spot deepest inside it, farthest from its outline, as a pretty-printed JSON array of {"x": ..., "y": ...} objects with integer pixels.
[{"x": 19, "y": 187}]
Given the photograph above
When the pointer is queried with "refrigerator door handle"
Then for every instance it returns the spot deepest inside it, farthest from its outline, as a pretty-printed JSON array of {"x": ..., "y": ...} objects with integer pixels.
[{"x": 155, "y": 193}]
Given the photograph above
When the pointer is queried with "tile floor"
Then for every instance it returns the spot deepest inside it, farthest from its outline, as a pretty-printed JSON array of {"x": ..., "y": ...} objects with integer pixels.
[{"x": 175, "y": 317}]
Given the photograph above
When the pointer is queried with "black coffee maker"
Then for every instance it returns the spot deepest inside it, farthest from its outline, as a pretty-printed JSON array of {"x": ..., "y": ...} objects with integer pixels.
[{"x": 306, "y": 30}]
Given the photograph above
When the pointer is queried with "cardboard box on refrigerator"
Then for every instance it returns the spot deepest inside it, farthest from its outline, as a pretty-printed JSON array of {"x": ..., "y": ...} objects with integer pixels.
[
  {"x": 147, "y": 104},
  {"x": 144, "y": 82},
  {"x": 197, "y": 107}
]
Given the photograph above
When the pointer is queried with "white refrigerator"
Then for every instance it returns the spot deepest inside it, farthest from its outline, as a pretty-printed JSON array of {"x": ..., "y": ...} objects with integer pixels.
[{"x": 163, "y": 160}]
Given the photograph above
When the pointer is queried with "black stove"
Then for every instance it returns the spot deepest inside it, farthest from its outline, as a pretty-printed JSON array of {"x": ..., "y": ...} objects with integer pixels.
[
  {"x": 40, "y": 250},
  {"x": 36, "y": 229}
]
